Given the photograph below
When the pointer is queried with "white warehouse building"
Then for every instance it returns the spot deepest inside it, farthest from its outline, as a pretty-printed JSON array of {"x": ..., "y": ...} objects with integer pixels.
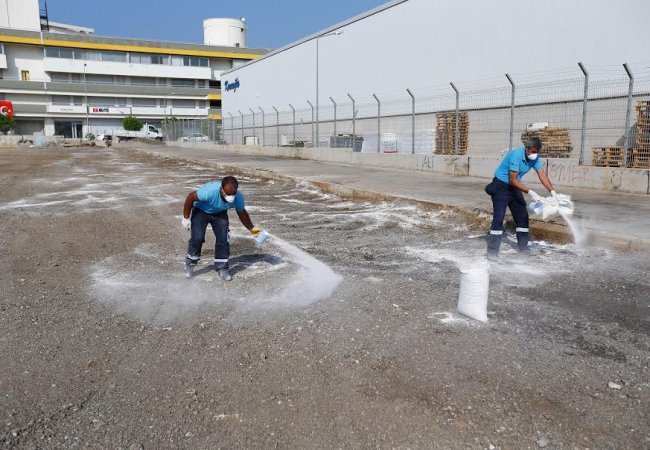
[
  {"x": 423, "y": 45},
  {"x": 63, "y": 80}
]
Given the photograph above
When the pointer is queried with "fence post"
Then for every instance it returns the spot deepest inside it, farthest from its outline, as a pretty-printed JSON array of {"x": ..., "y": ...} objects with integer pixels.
[
  {"x": 332, "y": 100},
  {"x": 412, "y": 121},
  {"x": 263, "y": 125},
  {"x": 512, "y": 109},
  {"x": 242, "y": 126},
  {"x": 456, "y": 118},
  {"x": 313, "y": 142},
  {"x": 378, "y": 123},
  {"x": 232, "y": 129},
  {"x": 254, "y": 126},
  {"x": 628, "y": 112},
  {"x": 354, "y": 128},
  {"x": 277, "y": 125},
  {"x": 581, "y": 159},
  {"x": 294, "y": 124}
]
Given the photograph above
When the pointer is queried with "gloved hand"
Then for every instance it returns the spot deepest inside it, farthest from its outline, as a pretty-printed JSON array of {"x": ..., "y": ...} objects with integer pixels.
[
  {"x": 186, "y": 223},
  {"x": 255, "y": 231},
  {"x": 554, "y": 194},
  {"x": 533, "y": 195}
]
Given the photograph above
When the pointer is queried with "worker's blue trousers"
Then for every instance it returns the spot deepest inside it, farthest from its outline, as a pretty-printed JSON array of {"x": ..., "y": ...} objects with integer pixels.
[
  {"x": 219, "y": 223},
  {"x": 506, "y": 196}
]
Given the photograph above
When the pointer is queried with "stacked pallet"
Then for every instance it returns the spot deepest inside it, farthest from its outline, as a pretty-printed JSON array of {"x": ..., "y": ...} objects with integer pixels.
[
  {"x": 641, "y": 152},
  {"x": 556, "y": 142},
  {"x": 445, "y": 133},
  {"x": 608, "y": 156}
]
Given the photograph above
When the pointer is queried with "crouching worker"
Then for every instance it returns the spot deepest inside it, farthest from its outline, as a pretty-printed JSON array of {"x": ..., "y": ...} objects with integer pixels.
[
  {"x": 507, "y": 191},
  {"x": 209, "y": 205}
]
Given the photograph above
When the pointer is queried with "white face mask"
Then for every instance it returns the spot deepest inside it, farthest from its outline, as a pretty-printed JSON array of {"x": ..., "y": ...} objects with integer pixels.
[
  {"x": 229, "y": 198},
  {"x": 532, "y": 156}
]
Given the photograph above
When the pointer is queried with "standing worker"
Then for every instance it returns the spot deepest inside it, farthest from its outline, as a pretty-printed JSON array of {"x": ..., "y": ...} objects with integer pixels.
[
  {"x": 506, "y": 191},
  {"x": 209, "y": 205}
]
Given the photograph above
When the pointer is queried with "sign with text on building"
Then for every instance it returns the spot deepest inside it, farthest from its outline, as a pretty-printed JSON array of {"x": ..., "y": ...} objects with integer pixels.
[
  {"x": 108, "y": 110},
  {"x": 7, "y": 109},
  {"x": 232, "y": 86}
]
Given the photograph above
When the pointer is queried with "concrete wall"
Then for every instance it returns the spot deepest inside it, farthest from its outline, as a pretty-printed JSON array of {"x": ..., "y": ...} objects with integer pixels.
[
  {"x": 562, "y": 172},
  {"x": 20, "y": 14},
  {"x": 24, "y": 57}
]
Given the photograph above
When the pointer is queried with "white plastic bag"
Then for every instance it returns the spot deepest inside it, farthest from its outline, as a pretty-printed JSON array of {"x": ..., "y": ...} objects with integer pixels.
[
  {"x": 474, "y": 292},
  {"x": 549, "y": 207}
]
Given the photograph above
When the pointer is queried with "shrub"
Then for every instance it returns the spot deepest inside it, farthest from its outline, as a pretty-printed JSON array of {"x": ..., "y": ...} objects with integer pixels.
[
  {"x": 6, "y": 123},
  {"x": 131, "y": 123}
]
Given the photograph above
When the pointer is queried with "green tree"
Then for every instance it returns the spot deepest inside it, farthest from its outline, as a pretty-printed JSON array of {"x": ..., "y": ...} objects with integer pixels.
[
  {"x": 131, "y": 123},
  {"x": 6, "y": 123}
]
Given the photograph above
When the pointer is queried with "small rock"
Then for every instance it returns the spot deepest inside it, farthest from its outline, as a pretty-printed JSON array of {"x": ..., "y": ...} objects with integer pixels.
[
  {"x": 543, "y": 442},
  {"x": 614, "y": 385},
  {"x": 263, "y": 356}
]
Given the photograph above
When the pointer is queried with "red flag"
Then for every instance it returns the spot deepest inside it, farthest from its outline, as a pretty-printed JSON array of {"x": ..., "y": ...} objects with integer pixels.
[{"x": 7, "y": 109}]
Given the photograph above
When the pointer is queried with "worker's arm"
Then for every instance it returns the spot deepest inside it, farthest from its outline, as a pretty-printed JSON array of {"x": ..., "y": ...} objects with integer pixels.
[
  {"x": 189, "y": 201},
  {"x": 545, "y": 181},
  {"x": 514, "y": 182},
  {"x": 245, "y": 219}
]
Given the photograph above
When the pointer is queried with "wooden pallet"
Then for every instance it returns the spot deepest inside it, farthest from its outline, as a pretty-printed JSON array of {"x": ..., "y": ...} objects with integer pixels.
[
  {"x": 643, "y": 126},
  {"x": 446, "y": 131},
  {"x": 640, "y": 158},
  {"x": 608, "y": 156},
  {"x": 556, "y": 141}
]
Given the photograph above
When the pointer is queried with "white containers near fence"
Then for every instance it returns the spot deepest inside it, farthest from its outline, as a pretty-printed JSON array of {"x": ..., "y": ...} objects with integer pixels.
[{"x": 474, "y": 291}]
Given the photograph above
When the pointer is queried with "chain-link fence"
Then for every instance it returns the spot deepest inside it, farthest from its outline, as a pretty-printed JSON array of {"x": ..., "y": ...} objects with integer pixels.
[
  {"x": 191, "y": 130},
  {"x": 593, "y": 119}
]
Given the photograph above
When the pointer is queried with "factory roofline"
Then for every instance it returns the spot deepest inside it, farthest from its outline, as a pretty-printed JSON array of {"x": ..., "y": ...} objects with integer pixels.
[
  {"x": 27, "y": 37},
  {"x": 362, "y": 16}
]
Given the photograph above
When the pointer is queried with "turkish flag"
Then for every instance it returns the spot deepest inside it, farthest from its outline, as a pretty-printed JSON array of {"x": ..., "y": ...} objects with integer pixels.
[{"x": 7, "y": 109}]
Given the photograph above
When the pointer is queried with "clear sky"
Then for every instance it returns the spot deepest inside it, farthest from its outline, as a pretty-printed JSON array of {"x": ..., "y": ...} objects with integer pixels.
[{"x": 272, "y": 23}]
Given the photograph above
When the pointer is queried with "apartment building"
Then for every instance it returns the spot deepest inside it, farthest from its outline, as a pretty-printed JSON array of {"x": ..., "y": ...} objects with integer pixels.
[{"x": 64, "y": 80}]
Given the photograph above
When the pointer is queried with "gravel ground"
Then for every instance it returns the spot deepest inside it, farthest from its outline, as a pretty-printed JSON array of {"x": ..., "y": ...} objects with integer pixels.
[{"x": 340, "y": 331}]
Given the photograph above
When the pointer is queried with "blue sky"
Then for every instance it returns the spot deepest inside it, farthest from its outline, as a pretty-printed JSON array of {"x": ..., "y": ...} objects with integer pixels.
[{"x": 272, "y": 23}]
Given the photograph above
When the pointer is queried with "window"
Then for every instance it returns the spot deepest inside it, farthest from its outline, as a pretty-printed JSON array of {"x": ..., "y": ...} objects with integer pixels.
[
  {"x": 59, "y": 77},
  {"x": 101, "y": 101},
  {"x": 77, "y": 101},
  {"x": 91, "y": 55},
  {"x": 120, "y": 79},
  {"x": 60, "y": 99},
  {"x": 24, "y": 75},
  {"x": 114, "y": 56},
  {"x": 144, "y": 102},
  {"x": 184, "y": 103},
  {"x": 119, "y": 101},
  {"x": 76, "y": 77},
  {"x": 142, "y": 81},
  {"x": 176, "y": 82},
  {"x": 177, "y": 60},
  {"x": 160, "y": 59},
  {"x": 2, "y": 49},
  {"x": 195, "y": 61},
  {"x": 99, "y": 79}
]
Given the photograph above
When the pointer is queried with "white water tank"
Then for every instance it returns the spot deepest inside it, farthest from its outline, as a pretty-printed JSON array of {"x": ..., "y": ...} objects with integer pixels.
[{"x": 225, "y": 32}]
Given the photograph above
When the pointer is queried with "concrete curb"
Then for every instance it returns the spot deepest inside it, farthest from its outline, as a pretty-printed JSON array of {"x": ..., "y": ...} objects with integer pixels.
[{"x": 477, "y": 219}]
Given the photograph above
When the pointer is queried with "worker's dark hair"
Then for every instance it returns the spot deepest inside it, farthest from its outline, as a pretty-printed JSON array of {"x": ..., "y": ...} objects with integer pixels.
[
  {"x": 534, "y": 142},
  {"x": 230, "y": 181}
]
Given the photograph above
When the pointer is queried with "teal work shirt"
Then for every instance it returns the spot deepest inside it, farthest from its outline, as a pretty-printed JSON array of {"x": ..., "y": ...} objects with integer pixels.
[{"x": 516, "y": 161}]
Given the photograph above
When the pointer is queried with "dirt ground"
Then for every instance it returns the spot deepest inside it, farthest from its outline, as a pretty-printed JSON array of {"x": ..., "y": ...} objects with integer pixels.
[{"x": 339, "y": 332}]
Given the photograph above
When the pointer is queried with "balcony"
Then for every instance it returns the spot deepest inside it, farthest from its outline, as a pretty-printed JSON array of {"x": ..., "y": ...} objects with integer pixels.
[
  {"x": 121, "y": 90},
  {"x": 126, "y": 69}
]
